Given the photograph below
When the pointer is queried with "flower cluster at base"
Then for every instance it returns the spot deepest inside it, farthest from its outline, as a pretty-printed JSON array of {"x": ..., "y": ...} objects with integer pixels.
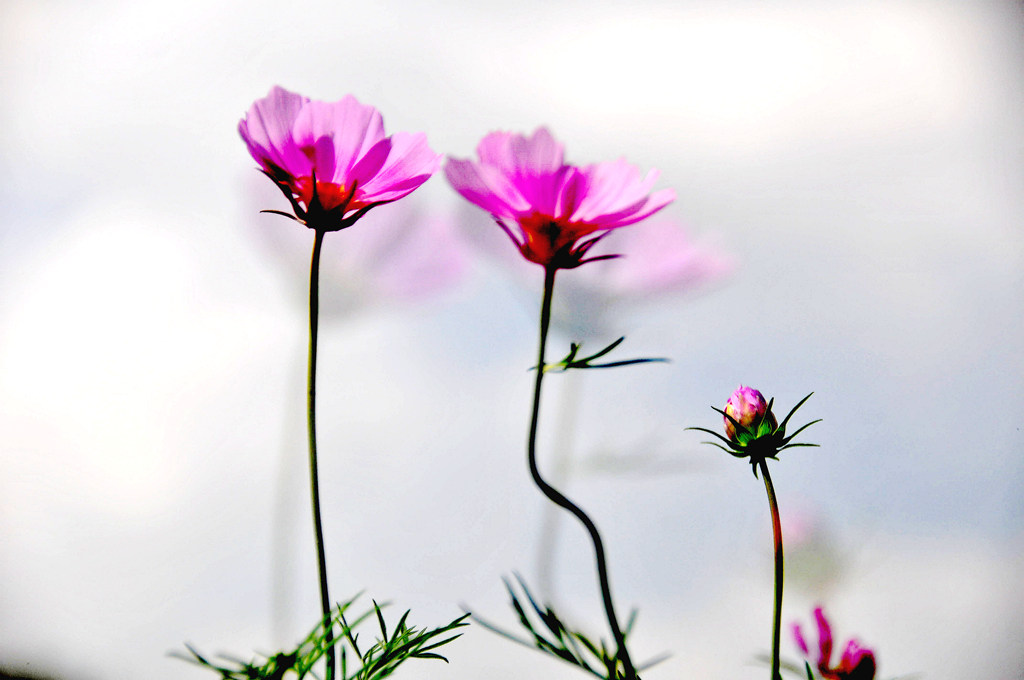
[
  {"x": 331, "y": 160},
  {"x": 560, "y": 210},
  {"x": 856, "y": 663},
  {"x": 752, "y": 429}
]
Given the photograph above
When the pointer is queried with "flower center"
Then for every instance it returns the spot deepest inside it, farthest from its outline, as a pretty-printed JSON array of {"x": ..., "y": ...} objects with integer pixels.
[{"x": 329, "y": 194}]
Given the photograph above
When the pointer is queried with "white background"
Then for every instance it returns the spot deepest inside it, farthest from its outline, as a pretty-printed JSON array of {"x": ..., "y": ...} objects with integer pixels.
[{"x": 863, "y": 162}]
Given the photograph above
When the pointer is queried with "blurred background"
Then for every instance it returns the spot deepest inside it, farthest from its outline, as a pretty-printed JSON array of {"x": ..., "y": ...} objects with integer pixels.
[{"x": 850, "y": 181}]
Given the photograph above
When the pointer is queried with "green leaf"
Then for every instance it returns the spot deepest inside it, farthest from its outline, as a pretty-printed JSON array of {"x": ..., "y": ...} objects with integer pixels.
[
  {"x": 546, "y": 616},
  {"x": 712, "y": 433},
  {"x": 629, "y": 622},
  {"x": 628, "y": 362},
  {"x": 782, "y": 425},
  {"x": 380, "y": 619},
  {"x": 653, "y": 662},
  {"x": 791, "y": 445},
  {"x": 571, "y": 360},
  {"x": 799, "y": 430},
  {"x": 607, "y": 349},
  {"x": 565, "y": 643}
]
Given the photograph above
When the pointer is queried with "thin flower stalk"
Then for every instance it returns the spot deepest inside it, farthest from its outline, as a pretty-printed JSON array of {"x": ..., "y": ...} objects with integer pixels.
[
  {"x": 773, "y": 504},
  {"x": 557, "y": 497},
  {"x": 314, "y": 482}
]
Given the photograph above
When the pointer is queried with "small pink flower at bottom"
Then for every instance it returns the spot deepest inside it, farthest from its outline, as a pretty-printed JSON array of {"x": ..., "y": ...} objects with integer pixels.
[
  {"x": 332, "y": 160},
  {"x": 856, "y": 663},
  {"x": 559, "y": 211}
]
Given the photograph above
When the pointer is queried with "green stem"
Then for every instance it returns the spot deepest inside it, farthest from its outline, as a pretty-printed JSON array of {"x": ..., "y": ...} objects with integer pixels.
[
  {"x": 556, "y": 497},
  {"x": 314, "y": 309},
  {"x": 777, "y": 533}
]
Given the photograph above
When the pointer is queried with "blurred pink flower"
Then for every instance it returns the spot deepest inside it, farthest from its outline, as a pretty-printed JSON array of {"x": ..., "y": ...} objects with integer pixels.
[
  {"x": 745, "y": 406},
  {"x": 856, "y": 663},
  {"x": 525, "y": 180},
  {"x": 332, "y": 160},
  {"x": 815, "y": 563},
  {"x": 403, "y": 252},
  {"x": 657, "y": 256}
]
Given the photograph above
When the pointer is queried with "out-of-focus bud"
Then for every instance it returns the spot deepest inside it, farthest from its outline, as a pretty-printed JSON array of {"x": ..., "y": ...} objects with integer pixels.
[{"x": 747, "y": 407}]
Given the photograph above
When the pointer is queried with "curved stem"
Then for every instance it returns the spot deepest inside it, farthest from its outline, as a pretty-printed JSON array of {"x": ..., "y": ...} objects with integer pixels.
[
  {"x": 777, "y": 532},
  {"x": 556, "y": 497},
  {"x": 558, "y": 475},
  {"x": 314, "y": 309}
]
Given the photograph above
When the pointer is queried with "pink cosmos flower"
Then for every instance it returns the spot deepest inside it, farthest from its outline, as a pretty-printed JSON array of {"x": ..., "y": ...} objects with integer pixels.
[
  {"x": 332, "y": 161},
  {"x": 553, "y": 205},
  {"x": 745, "y": 406},
  {"x": 857, "y": 662}
]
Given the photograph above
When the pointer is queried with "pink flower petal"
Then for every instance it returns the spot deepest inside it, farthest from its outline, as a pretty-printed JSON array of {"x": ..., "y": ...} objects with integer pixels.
[
  {"x": 485, "y": 187},
  {"x": 519, "y": 155},
  {"x": 409, "y": 164},
  {"x": 353, "y": 128},
  {"x": 633, "y": 214},
  {"x": 824, "y": 637},
  {"x": 573, "y": 189},
  {"x": 364, "y": 172},
  {"x": 610, "y": 188},
  {"x": 614, "y": 191},
  {"x": 542, "y": 191},
  {"x": 799, "y": 637},
  {"x": 267, "y": 127}
]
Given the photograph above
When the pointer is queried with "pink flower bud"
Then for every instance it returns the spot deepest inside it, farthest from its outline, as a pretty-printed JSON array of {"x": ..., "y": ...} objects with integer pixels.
[{"x": 746, "y": 406}]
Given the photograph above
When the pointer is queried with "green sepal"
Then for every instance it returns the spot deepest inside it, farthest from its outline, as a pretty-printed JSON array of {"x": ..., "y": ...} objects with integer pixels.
[
  {"x": 711, "y": 432},
  {"x": 782, "y": 425},
  {"x": 740, "y": 429},
  {"x": 790, "y": 446},
  {"x": 799, "y": 430}
]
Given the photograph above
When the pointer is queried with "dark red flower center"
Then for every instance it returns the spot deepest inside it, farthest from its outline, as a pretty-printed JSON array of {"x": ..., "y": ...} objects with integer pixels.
[
  {"x": 329, "y": 194},
  {"x": 545, "y": 238}
]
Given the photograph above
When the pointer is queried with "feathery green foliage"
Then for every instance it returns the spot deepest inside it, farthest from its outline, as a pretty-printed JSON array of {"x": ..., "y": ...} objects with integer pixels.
[
  {"x": 379, "y": 660},
  {"x": 559, "y": 641}
]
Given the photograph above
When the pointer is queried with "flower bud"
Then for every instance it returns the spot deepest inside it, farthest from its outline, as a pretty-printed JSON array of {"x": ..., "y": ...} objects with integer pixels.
[{"x": 746, "y": 406}]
